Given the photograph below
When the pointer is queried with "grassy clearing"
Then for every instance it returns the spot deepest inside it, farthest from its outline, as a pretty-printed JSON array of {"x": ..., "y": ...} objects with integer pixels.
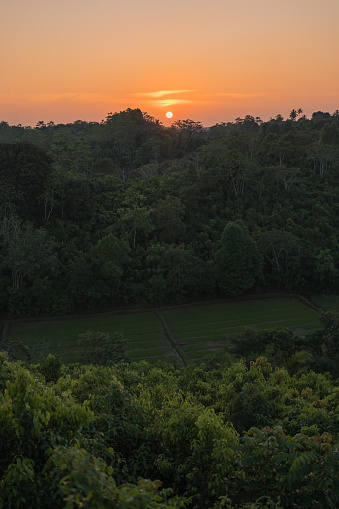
[
  {"x": 206, "y": 346},
  {"x": 148, "y": 343},
  {"x": 327, "y": 303},
  {"x": 148, "y": 352},
  {"x": 142, "y": 330},
  {"x": 206, "y": 329},
  {"x": 215, "y": 320},
  {"x": 196, "y": 330},
  {"x": 170, "y": 358}
]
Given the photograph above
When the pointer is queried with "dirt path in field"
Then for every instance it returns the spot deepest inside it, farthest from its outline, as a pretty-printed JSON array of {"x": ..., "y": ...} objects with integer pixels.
[
  {"x": 177, "y": 339},
  {"x": 307, "y": 302},
  {"x": 168, "y": 334}
]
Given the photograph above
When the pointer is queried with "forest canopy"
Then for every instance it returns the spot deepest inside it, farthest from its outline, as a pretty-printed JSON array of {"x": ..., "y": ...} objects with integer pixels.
[
  {"x": 141, "y": 436},
  {"x": 128, "y": 212}
]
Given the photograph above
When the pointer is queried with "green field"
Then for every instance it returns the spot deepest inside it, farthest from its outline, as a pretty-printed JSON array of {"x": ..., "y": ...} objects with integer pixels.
[
  {"x": 145, "y": 338},
  {"x": 211, "y": 328},
  {"x": 327, "y": 303},
  {"x": 196, "y": 330}
]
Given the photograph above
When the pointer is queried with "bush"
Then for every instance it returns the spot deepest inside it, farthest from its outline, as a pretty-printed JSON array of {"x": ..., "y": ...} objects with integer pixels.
[{"x": 102, "y": 348}]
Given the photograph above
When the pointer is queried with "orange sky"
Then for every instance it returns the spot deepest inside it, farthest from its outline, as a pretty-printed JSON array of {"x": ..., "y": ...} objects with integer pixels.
[{"x": 210, "y": 61}]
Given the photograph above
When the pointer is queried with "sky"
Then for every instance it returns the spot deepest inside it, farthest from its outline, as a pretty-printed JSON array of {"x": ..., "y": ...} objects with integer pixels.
[{"x": 210, "y": 61}]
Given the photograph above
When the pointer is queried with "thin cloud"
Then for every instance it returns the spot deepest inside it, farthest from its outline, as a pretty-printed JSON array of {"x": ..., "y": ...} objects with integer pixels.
[{"x": 161, "y": 93}]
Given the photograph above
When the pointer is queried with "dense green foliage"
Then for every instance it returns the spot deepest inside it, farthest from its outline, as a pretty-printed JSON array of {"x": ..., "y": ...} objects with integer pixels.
[
  {"x": 142, "y": 436},
  {"x": 128, "y": 212}
]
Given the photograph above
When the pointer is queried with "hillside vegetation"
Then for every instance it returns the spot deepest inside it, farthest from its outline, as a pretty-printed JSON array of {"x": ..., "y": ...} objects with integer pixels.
[{"x": 127, "y": 212}]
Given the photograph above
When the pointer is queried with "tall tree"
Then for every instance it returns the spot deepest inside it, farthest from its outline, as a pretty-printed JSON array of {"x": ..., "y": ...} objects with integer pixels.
[
  {"x": 237, "y": 263},
  {"x": 31, "y": 261},
  {"x": 293, "y": 114},
  {"x": 24, "y": 170}
]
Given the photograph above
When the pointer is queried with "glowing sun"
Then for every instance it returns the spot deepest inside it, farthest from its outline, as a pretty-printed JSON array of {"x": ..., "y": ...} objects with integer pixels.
[{"x": 169, "y": 114}]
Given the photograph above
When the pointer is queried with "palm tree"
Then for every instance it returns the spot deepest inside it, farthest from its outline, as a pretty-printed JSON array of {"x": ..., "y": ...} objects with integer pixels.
[{"x": 293, "y": 114}]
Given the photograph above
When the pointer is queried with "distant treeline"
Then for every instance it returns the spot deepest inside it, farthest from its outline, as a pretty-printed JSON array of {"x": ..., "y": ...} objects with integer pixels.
[{"x": 128, "y": 212}]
